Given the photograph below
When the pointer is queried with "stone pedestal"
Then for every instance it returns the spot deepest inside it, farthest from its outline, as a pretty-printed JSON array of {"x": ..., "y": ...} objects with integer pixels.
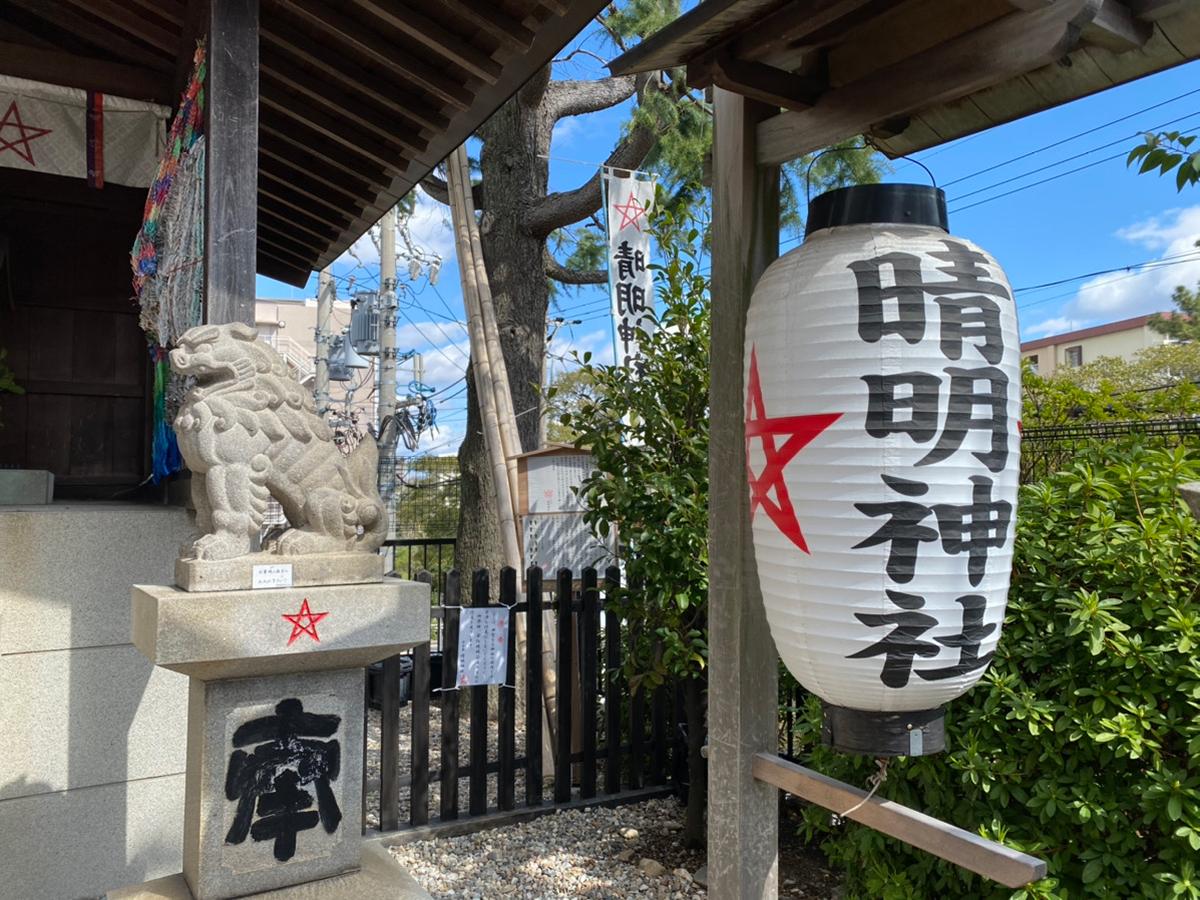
[
  {"x": 26, "y": 487},
  {"x": 275, "y": 730}
]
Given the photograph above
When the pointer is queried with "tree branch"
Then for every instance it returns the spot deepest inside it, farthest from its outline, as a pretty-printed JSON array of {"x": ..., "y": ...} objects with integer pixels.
[
  {"x": 438, "y": 189},
  {"x": 559, "y": 210},
  {"x": 576, "y": 98},
  {"x": 561, "y": 273}
]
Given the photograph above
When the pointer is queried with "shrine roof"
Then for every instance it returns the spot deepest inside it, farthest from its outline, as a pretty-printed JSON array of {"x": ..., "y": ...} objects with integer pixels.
[
  {"x": 911, "y": 74},
  {"x": 358, "y": 100}
]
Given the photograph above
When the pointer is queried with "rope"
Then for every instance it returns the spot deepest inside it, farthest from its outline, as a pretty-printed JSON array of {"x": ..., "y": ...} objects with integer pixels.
[{"x": 875, "y": 781}]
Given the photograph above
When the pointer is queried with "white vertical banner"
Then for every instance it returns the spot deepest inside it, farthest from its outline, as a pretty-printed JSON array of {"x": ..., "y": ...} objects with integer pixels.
[{"x": 629, "y": 200}]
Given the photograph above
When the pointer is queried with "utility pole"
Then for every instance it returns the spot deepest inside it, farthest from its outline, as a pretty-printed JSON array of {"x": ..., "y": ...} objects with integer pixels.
[{"x": 326, "y": 293}]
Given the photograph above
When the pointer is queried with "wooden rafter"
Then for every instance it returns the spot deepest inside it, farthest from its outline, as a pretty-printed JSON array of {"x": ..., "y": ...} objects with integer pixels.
[
  {"x": 405, "y": 18},
  {"x": 1004, "y": 48},
  {"x": 96, "y": 34},
  {"x": 1110, "y": 24},
  {"x": 297, "y": 127},
  {"x": 503, "y": 28},
  {"x": 764, "y": 83},
  {"x": 313, "y": 233},
  {"x": 793, "y": 24},
  {"x": 294, "y": 186},
  {"x": 88, "y": 73},
  {"x": 380, "y": 51},
  {"x": 296, "y": 154},
  {"x": 288, "y": 75},
  {"x": 353, "y": 77},
  {"x": 144, "y": 26}
]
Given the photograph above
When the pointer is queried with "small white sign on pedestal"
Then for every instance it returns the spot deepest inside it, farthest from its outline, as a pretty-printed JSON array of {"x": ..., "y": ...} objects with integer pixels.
[
  {"x": 482, "y": 646},
  {"x": 271, "y": 576}
]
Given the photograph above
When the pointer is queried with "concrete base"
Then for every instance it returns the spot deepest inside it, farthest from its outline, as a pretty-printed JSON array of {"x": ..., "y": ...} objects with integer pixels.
[
  {"x": 235, "y": 634},
  {"x": 274, "y": 781},
  {"x": 307, "y": 570},
  {"x": 26, "y": 487},
  {"x": 379, "y": 878}
]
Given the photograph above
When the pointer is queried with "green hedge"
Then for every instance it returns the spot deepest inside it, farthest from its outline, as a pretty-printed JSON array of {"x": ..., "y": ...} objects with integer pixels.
[{"x": 1082, "y": 742}]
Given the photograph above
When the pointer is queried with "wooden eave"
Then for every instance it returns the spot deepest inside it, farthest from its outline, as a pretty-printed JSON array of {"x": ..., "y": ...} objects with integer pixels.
[
  {"x": 911, "y": 74},
  {"x": 359, "y": 99}
]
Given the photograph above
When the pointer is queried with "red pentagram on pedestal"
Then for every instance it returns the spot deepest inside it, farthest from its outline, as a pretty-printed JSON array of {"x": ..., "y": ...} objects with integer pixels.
[
  {"x": 12, "y": 120},
  {"x": 630, "y": 212},
  {"x": 309, "y": 628},
  {"x": 800, "y": 431}
]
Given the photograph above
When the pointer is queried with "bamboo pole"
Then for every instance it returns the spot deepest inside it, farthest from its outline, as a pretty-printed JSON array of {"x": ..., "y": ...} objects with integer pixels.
[{"x": 491, "y": 387}]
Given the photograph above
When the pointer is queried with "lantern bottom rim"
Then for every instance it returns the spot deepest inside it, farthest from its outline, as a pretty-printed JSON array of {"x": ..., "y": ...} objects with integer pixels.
[{"x": 873, "y": 733}]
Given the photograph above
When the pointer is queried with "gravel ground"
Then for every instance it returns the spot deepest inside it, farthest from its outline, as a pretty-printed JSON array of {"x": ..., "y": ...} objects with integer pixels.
[{"x": 590, "y": 853}]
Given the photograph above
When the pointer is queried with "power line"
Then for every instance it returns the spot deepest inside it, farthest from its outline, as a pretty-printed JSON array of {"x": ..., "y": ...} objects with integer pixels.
[
  {"x": 1189, "y": 256},
  {"x": 1034, "y": 184},
  {"x": 1120, "y": 140},
  {"x": 1145, "y": 270},
  {"x": 1078, "y": 135}
]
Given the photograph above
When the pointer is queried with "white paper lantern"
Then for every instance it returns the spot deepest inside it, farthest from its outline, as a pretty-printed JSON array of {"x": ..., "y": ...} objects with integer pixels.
[{"x": 882, "y": 436}]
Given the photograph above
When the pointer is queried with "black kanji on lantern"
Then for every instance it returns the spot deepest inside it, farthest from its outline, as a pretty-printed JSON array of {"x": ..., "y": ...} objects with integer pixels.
[
  {"x": 976, "y": 527},
  {"x": 974, "y": 317},
  {"x": 270, "y": 782},
  {"x": 905, "y": 403},
  {"x": 986, "y": 389},
  {"x": 903, "y": 529},
  {"x": 906, "y": 290},
  {"x": 901, "y": 644},
  {"x": 967, "y": 641}
]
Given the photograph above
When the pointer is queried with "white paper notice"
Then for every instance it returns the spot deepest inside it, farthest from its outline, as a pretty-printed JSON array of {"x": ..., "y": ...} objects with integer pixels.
[
  {"x": 551, "y": 479},
  {"x": 482, "y": 646},
  {"x": 563, "y": 541},
  {"x": 272, "y": 576}
]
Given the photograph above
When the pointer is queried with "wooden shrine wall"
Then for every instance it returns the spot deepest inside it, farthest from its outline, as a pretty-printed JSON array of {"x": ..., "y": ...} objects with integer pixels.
[{"x": 70, "y": 326}]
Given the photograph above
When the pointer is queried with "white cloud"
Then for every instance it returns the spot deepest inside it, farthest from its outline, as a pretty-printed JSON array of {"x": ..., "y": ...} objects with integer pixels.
[
  {"x": 1121, "y": 295},
  {"x": 430, "y": 230}
]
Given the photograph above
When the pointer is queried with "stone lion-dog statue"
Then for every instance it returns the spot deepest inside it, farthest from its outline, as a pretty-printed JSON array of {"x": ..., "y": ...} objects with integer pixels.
[{"x": 249, "y": 432}]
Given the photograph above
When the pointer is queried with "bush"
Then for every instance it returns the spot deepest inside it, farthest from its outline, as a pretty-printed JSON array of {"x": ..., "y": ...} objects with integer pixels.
[{"x": 1082, "y": 742}]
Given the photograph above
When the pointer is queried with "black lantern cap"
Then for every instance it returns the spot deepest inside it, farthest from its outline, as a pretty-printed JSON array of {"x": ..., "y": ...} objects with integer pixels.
[
  {"x": 878, "y": 204},
  {"x": 917, "y": 733}
]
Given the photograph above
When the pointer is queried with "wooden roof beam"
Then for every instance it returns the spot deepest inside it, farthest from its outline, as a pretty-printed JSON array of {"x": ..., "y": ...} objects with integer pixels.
[
  {"x": 295, "y": 187},
  {"x": 282, "y": 71},
  {"x": 92, "y": 32},
  {"x": 145, "y": 27},
  {"x": 408, "y": 20},
  {"x": 791, "y": 25},
  {"x": 1153, "y": 10},
  {"x": 755, "y": 80},
  {"x": 506, "y": 30},
  {"x": 354, "y": 77},
  {"x": 1005, "y": 48},
  {"x": 363, "y": 40},
  {"x": 83, "y": 72},
  {"x": 1112, "y": 25},
  {"x": 294, "y": 152},
  {"x": 345, "y": 150}
]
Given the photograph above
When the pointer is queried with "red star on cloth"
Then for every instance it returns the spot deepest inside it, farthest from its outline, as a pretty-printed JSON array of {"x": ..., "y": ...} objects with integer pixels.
[
  {"x": 630, "y": 212},
  {"x": 12, "y": 119},
  {"x": 299, "y": 628},
  {"x": 800, "y": 430}
]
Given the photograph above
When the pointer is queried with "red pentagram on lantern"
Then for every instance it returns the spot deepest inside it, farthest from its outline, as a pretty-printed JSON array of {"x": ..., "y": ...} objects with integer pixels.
[
  {"x": 630, "y": 212},
  {"x": 309, "y": 627},
  {"x": 12, "y": 119},
  {"x": 800, "y": 431}
]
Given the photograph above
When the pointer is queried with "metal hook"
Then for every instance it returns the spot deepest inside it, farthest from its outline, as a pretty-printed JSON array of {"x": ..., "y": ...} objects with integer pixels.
[{"x": 813, "y": 162}]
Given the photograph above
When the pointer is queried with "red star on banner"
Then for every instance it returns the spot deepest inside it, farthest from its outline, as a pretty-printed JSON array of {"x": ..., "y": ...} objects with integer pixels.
[
  {"x": 12, "y": 119},
  {"x": 299, "y": 628},
  {"x": 630, "y": 212},
  {"x": 800, "y": 430}
]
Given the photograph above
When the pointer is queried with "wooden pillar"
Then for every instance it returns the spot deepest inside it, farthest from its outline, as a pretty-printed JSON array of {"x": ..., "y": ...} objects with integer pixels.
[
  {"x": 231, "y": 176},
  {"x": 743, "y": 817}
]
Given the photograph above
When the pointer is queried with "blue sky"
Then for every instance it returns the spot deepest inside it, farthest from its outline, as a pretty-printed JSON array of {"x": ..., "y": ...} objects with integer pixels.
[{"x": 1101, "y": 217}]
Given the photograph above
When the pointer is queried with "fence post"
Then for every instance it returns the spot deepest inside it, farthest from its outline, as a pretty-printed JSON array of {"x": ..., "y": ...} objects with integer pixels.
[
  {"x": 506, "y": 725},
  {"x": 418, "y": 806},
  {"x": 389, "y": 746},
  {"x": 450, "y": 697},
  {"x": 587, "y": 678},
  {"x": 613, "y": 696},
  {"x": 562, "y": 755},
  {"x": 658, "y": 730},
  {"x": 477, "y": 796},
  {"x": 637, "y": 721},
  {"x": 533, "y": 687}
]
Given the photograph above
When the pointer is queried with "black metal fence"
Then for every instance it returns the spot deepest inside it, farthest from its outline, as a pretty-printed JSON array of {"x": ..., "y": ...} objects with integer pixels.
[
  {"x": 634, "y": 741},
  {"x": 1049, "y": 449},
  {"x": 435, "y": 556}
]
